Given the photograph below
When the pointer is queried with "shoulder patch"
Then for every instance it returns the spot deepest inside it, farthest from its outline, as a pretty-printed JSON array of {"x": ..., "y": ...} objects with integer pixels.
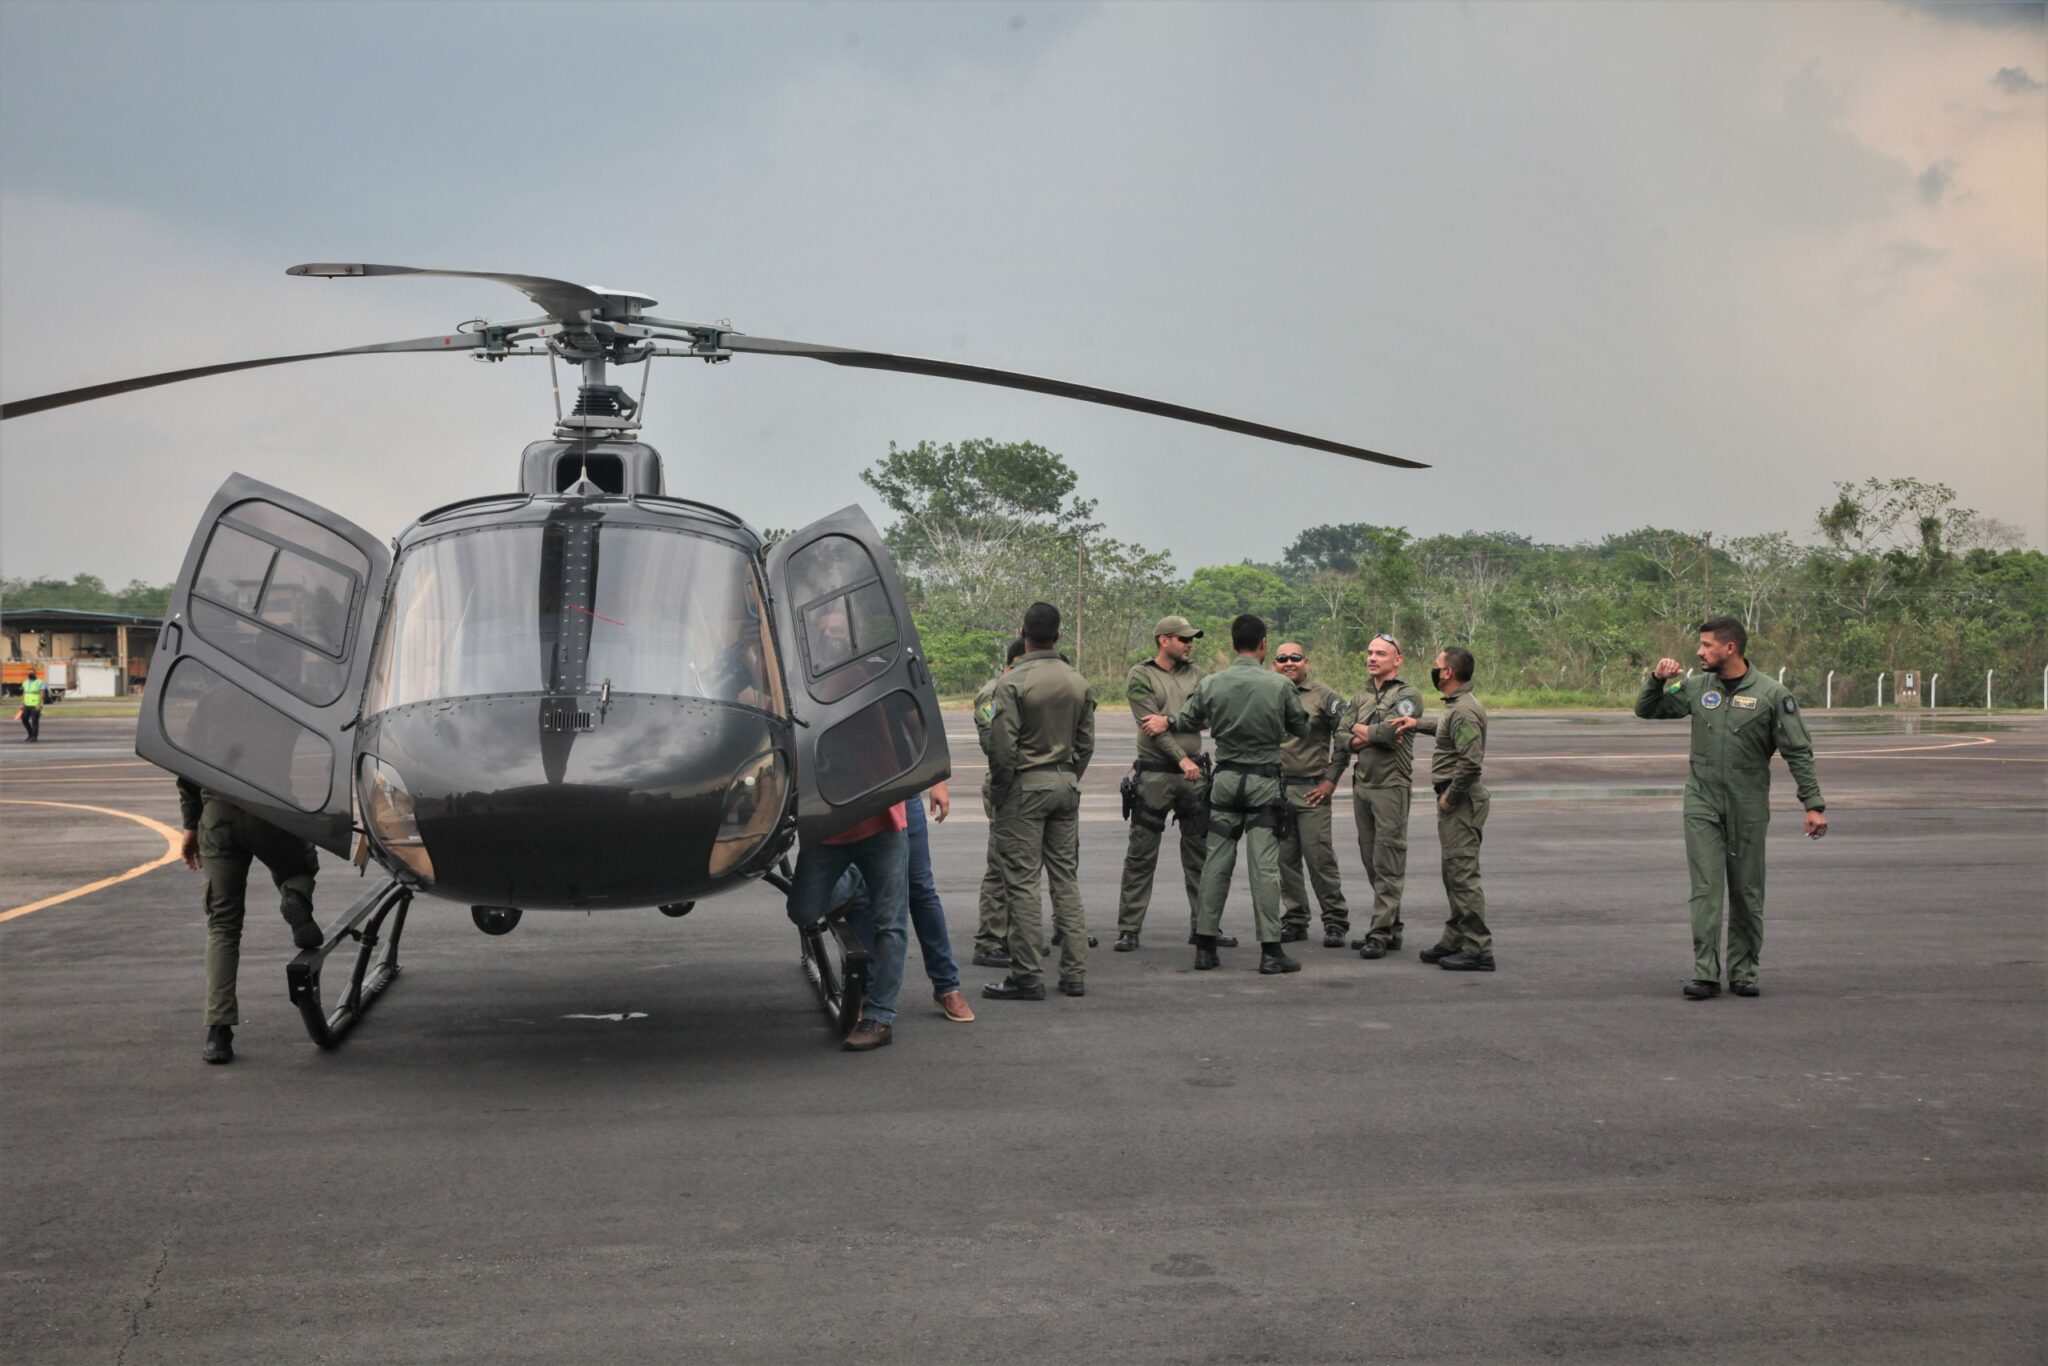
[
  {"x": 1675, "y": 685},
  {"x": 1405, "y": 707},
  {"x": 1710, "y": 699},
  {"x": 1791, "y": 707},
  {"x": 986, "y": 711}
]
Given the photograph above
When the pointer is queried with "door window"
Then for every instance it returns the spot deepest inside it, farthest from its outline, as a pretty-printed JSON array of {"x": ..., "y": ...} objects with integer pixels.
[
  {"x": 848, "y": 624},
  {"x": 277, "y": 592},
  {"x": 871, "y": 748}
]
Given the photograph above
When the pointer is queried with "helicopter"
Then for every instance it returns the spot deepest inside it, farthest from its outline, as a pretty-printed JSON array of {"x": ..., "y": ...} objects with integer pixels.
[{"x": 586, "y": 693}]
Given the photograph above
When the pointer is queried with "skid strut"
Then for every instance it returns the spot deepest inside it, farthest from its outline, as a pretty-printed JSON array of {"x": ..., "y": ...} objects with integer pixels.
[
  {"x": 834, "y": 960},
  {"x": 362, "y": 923}
]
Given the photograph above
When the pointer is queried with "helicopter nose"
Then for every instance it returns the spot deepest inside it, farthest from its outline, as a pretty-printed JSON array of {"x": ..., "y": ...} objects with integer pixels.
[{"x": 657, "y": 800}]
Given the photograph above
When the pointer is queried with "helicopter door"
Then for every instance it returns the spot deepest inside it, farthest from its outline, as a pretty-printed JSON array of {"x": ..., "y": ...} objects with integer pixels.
[
  {"x": 259, "y": 670},
  {"x": 869, "y": 732}
]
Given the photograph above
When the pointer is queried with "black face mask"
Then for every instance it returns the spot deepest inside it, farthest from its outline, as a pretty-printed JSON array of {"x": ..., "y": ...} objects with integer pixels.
[{"x": 1439, "y": 679}]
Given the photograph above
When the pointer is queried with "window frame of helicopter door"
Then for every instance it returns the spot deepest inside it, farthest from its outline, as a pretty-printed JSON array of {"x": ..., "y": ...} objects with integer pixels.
[
  {"x": 229, "y": 659},
  {"x": 827, "y": 804}
]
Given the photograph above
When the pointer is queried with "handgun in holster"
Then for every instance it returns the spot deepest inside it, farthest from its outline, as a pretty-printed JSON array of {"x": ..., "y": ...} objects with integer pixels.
[{"x": 1128, "y": 790}]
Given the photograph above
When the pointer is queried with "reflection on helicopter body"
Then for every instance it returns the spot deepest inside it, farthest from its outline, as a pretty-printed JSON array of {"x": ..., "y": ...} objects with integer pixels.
[{"x": 629, "y": 638}]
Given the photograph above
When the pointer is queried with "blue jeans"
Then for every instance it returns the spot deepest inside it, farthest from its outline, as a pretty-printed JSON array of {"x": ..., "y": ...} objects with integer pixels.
[
  {"x": 927, "y": 912},
  {"x": 878, "y": 923}
]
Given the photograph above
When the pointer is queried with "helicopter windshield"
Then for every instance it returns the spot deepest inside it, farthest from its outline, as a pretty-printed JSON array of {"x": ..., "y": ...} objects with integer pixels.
[{"x": 555, "y": 609}]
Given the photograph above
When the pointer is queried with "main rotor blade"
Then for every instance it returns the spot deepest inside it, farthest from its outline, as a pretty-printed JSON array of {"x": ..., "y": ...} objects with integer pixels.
[
  {"x": 562, "y": 300},
  {"x": 1010, "y": 379},
  {"x": 460, "y": 341}
]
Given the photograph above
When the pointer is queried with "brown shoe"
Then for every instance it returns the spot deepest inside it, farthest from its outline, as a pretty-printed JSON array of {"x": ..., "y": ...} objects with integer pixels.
[
  {"x": 866, "y": 1035},
  {"x": 953, "y": 1006}
]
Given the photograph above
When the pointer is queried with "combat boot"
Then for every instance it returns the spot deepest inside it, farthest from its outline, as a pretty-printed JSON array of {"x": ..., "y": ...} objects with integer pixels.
[
  {"x": 1466, "y": 962},
  {"x": 991, "y": 958},
  {"x": 1436, "y": 953},
  {"x": 1700, "y": 989},
  {"x": 1127, "y": 942},
  {"x": 1333, "y": 939},
  {"x": 1293, "y": 934},
  {"x": 297, "y": 909},
  {"x": 220, "y": 1044},
  {"x": 1273, "y": 960},
  {"x": 1220, "y": 941},
  {"x": 1205, "y": 952}
]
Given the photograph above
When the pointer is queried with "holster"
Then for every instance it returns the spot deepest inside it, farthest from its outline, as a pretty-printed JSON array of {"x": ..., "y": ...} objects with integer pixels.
[{"x": 1128, "y": 790}]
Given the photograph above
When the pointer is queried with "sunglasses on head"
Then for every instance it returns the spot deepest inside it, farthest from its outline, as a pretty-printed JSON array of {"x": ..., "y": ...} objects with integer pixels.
[
  {"x": 1290, "y": 659},
  {"x": 1390, "y": 640}
]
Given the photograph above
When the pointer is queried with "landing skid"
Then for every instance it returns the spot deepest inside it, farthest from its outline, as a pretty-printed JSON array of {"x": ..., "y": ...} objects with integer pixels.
[
  {"x": 373, "y": 971},
  {"x": 834, "y": 960}
]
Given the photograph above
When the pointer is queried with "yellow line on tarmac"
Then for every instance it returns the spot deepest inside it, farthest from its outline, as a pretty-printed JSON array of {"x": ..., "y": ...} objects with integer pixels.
[{"x": 172, "y": 841}]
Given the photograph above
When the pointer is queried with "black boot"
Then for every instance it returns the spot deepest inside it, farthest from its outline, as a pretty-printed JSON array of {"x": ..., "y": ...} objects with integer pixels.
[
  {"x": 1127, "y": 941},
  {"x": 1205, "y": 952},
  {"x": 220, "y": 1044},
  {"x": 1221, "y": 941},
  {"x": 1273, "y": 959}
]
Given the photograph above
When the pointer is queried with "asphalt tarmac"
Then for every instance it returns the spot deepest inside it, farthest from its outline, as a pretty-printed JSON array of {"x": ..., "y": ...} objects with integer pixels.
[{"x": 621, "y": 1137}]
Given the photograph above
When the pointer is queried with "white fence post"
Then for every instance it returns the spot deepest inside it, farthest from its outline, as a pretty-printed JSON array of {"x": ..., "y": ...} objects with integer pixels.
[
  {"x": 1831, "y": 690},
  {"x": 1987, "y": 688},
  {"x": 1781, "y": 678},
  {"x": 1880, "y": 686},
  {"x": 1934, "y": 692}
]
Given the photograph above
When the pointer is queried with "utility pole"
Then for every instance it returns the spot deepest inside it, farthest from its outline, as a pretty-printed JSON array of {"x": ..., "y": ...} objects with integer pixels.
[
  {"x": 1080, "y": 592},
  {"x": 1706, "y": 573}
]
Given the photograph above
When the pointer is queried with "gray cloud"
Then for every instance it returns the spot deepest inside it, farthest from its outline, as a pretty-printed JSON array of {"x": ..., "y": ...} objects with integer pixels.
[
  {"x": 1935, "y": 181},
  {"x": 1984, "y": 13},
  {"x": 2014, "y": 80}
]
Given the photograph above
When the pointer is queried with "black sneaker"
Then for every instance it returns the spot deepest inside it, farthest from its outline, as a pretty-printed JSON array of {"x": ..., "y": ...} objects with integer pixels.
[
  {"x": 1333, "y": 939},
  {"x": 1010, "y": 989},
  {"x": 220, "y": 1044},
  {"x": 1436, "y": 953},
  {"x": 991, "y": 958},
  {"x": 1466, "y": 962},
  {"x": 1127, "y": 942},
  {"x": 1699, "y": 989}
]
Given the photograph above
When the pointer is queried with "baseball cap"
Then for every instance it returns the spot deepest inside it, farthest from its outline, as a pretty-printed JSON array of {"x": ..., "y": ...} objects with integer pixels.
[{"x": 1176, "y": 626}]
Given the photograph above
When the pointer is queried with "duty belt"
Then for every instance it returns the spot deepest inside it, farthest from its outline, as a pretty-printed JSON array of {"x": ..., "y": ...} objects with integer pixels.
[
  {"x": 1255, "y": 770},
  {"x": 1158, "y": 766},
  {"x": 1063, "y": 765}
]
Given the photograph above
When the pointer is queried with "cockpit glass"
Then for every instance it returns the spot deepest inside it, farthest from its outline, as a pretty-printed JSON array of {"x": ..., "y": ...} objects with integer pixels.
[{"x": 571, "y": 607}]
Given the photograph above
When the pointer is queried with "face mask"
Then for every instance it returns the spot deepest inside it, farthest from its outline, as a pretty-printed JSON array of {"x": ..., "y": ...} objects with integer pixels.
[{"x": 1438, "y": 679}]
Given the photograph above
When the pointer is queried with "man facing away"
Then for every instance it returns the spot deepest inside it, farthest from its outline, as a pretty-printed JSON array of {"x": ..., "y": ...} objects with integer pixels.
[
  {"x": 1168, "y": 779},
  {"x": 1310, "y": 767},
  {"x": 992, "y": 930},
  {"x": 1249, "y": 710},
  {"x": 1739, "y": 716},
  {"x": 1041, "y": 737}
]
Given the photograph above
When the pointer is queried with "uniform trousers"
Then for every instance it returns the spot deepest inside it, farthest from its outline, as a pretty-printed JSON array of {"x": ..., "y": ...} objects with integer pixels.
[
  {"x": 1458, "y": 831},
  {"x": 1724, "y": 852},
  {"x": 1381, "y": 814},
  {"x": 1040, "y": 827},
  {"x": 1260, "y": 795},
  {"x": 229, "y": 838},
  {"x": 1161, "y": 795},
  {"x": 1311, "y": 843}
]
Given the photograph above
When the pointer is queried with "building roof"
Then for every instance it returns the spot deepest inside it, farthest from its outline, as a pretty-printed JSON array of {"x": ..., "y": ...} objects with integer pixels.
[{"x": 72, "y": 616}]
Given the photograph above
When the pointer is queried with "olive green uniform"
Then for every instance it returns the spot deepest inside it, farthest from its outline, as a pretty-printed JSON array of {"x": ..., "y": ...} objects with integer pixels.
[
  {"x": 1163, "y": 791},
  {"x": 1382, "y": 789},
  {"x": 1041, "y": 737},
  {"x": 1318, "y": 757},
  {"x": 992, "y": 930},
  {"x": 1735, "y": 728},
  {"x": 1454, "y": 772},
  {"x": 1248, "y": 710},
  {"x": 229, "y": 838}
]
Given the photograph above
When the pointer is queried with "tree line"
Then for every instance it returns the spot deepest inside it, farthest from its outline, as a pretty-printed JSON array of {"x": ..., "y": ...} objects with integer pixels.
[{"x": 1893, "y": 574}]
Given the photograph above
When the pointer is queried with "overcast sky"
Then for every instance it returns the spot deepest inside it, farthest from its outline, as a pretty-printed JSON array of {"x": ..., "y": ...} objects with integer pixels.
[{"x": 1602, "y": 265}]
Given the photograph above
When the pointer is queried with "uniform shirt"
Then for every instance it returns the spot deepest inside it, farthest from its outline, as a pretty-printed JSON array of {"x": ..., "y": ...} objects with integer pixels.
[
  {"x": 1042, "y": 730},
  {"x": 1386, "y": 759},
  {"x": 1308, "y": 759},
  {"x": 985, "y": 710},
  {"x": 1735, "y": 728},
  {"x": 1460, "y": 744},
  {"x": 1152, "y": 691},
  {"x": 1249, "y": 710}
]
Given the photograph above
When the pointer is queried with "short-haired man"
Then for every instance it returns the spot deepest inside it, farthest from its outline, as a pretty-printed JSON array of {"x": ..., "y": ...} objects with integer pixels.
[
  {"x": 32, "y": 705},
  {"x": 1168, "y": 779},
  {"x": 1041, "y": 737},
  {"x": 1461, "y": 805},
  {"x": 1739, "y": 716},
  {"x": 1310, "y": 767},
  {"x": 1249, "y": 710},
  {"x": 1383, "y": 787},
  {"x": 992, "y": 929}
]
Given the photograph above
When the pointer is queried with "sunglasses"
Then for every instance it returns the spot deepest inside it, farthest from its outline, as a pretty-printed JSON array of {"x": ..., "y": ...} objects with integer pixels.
[
  {"x": 1290, "y": 659},
  {"x": 1390, "y": 640},
  {"x": 1185, "y": 640}
]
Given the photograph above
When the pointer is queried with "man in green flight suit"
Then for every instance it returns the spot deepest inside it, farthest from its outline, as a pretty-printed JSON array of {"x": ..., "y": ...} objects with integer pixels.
[
  {"x": 1461, "y": 806},
  {"x": 1382, "y": 788},
  {"x": 1041, "y": 737},
  {"x": 1249, "y": 709},
  {"x": 1169, "y": 778},
  {"x": 1739, "y": 716},
  {"x": 992, "y": 930},
  {"x": 222, "y": 838},
  {"x": 1310, "y": 768}
]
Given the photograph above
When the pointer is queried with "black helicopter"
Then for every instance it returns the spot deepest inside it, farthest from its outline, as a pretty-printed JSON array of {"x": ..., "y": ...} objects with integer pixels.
[{"x": 585, "y": 694}]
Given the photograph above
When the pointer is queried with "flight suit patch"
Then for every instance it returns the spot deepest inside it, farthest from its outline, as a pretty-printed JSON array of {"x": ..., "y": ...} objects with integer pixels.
[
  {"x": 1791, "y": 707},
  {"x": 1746, "y": 703},
  {"x": 1710, "y": 700},
  {"x": 1405, "y": 707}
]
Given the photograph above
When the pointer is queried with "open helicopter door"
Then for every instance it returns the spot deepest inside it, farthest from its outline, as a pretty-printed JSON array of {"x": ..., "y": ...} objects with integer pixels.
[
  {"x": 259, "y": 671},
  {"x": 869, "y": 732}
]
